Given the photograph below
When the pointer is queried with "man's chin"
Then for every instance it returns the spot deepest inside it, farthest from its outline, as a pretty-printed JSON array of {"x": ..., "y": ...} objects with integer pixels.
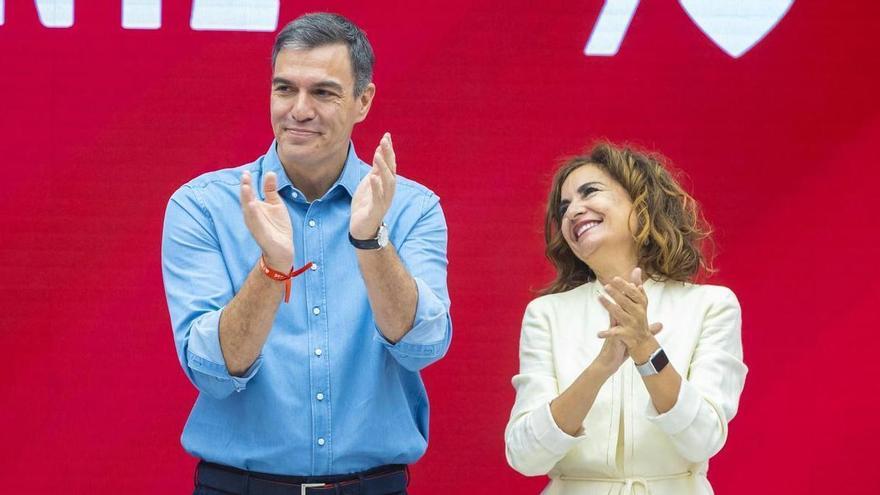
[{"x": 296, "y": 152}]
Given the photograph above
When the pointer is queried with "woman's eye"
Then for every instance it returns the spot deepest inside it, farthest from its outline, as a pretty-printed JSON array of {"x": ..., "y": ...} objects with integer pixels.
[{"x": 562, "y": 209}]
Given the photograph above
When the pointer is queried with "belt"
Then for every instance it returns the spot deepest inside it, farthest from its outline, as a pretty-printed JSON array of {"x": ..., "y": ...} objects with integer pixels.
[
  {"x": 629, "y": 484},
  {"x": 377, "y": 481}
]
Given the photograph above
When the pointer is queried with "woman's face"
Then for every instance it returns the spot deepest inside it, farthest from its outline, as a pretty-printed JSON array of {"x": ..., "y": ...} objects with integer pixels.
[{"x": 596, "y": 221}]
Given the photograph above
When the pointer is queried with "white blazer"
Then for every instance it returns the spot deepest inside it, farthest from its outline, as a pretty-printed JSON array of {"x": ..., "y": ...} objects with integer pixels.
[{"x": 626, "y": 446}]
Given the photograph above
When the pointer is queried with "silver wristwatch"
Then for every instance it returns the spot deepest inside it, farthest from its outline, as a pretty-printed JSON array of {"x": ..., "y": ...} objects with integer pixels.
[{"x": 655, "y": 363}]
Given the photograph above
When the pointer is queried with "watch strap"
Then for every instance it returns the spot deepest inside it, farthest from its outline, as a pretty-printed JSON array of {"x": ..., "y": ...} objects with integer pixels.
[
  {"x": 378, "y": 242},
  {"x": 364, "y": 243}
]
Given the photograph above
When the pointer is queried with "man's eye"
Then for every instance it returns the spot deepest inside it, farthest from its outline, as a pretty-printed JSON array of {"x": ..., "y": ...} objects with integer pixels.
[{"x": 282, "y": 89}]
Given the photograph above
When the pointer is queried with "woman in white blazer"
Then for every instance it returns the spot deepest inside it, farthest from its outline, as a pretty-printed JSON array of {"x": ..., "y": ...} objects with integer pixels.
[{"x": 606, "y": 402}]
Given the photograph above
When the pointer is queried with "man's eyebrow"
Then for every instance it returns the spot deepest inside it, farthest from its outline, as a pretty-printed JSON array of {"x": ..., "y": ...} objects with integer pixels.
[
  {"x": 326, "y": 84},
  {"x": 329, "y": 85}
]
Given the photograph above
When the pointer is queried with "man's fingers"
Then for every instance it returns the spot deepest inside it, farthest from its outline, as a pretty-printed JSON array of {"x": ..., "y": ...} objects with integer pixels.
[
  {"x": 376, "y": 189},
  {"x": 381, "y": 164},
  {"x": 247, "y": 197},
  {"x": 247, "y": 193},
  {"x": 655, "y": 328},
  {"x": 270, "y": 188},
  {"x": 249, "y": 204},
  {"x": 388, "y": 152}
]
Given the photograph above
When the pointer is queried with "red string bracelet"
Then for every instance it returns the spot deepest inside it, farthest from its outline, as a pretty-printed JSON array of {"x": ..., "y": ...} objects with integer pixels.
[{"x": 283, "y": 277}]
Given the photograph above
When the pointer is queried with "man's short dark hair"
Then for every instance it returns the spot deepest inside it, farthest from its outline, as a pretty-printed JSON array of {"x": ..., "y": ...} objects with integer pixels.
[{"x": 320, "y": 29}]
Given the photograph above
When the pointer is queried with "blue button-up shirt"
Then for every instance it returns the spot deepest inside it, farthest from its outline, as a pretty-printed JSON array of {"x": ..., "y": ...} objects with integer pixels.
[{"x": 328, "y": 393}]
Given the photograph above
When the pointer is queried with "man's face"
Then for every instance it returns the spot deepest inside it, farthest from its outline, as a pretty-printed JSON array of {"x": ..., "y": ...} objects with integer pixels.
[{"x": 313, "y": 105}]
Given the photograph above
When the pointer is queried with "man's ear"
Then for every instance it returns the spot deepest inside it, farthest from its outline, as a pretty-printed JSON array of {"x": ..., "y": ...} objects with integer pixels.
[{"x": 365, "y": 100}]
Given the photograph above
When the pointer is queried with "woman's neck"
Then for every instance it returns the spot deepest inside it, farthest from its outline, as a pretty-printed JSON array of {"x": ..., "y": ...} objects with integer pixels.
[{"x": 623, "y": 268}]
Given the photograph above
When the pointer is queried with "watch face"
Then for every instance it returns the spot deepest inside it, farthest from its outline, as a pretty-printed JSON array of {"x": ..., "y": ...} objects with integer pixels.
[
  {"x": 382, "y": 238},
  {"x": 660, "y": 360}
]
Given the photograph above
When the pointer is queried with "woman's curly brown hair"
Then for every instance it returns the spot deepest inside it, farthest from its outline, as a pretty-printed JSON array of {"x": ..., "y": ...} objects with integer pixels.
[{"x": 670, "y": 232}]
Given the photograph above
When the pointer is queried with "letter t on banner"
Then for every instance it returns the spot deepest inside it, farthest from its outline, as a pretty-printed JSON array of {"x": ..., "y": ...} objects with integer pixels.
[
  {"x": 235, "y": 15},
  {"x": 141, "y": 14},
  {"x": 611, "y": 27}
]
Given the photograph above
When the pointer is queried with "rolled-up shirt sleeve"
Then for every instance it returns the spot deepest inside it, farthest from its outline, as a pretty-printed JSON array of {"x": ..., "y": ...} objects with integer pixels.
[
  {"x": 423, "y": 252},
  {"x": 197, "y": 287},
  {"x": 534, "y": 442},
  {"x": 710, "y": 390}
]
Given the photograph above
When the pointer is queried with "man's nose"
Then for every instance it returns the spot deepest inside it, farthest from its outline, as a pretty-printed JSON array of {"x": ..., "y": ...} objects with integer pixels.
[{"x": 302, "y": 109}]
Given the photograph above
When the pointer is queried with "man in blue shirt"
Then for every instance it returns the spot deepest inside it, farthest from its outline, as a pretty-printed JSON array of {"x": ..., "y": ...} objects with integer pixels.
[{"x": 321, "y": 392}]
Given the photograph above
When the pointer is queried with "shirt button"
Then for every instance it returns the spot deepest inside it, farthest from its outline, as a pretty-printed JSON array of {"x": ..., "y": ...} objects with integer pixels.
[
  {"x": 316, "y": 311},
  {"x": 318, "y": 351},
  {"x": 314, "y": 266},
  {"x": 294, "y": 194},
  {"x": 321, "y": 441},
  {"x": 320, "y": 396},
  {"x": 312, "y": 223}
]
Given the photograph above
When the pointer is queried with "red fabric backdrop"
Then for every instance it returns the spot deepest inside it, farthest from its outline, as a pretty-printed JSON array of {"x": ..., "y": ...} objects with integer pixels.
[{"x": 99, "y": 125}]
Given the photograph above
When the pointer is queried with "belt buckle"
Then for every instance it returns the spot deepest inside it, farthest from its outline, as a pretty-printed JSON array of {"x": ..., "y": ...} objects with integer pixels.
[{"x": 305, "y": 486}]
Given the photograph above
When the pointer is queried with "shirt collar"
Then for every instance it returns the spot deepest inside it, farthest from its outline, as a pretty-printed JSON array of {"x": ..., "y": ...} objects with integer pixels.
[
  {"x": 352, "y": 173},
  {"x": 271, "y": 163},
  {"x": 349, "y": 179}
]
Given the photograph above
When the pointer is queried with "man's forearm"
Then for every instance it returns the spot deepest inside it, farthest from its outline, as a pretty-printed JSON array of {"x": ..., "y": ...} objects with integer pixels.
[
  {"x": 247, "y": 319},
  {"x": 391, "y": 290}
]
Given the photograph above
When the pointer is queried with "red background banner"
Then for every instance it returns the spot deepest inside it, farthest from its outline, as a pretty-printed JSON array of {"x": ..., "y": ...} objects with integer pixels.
[{"x": 100, "y": 124}]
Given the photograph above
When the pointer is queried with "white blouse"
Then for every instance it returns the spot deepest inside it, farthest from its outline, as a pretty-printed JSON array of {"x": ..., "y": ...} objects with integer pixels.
[{"x": 625, "y": 445}]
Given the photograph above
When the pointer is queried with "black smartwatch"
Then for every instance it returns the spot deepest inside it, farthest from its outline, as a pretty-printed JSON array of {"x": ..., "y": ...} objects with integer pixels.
[{"x": 655, "y": 363}]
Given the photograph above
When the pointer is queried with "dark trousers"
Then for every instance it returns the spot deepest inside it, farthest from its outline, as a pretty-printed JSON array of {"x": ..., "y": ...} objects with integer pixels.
[{"x": 217, "y": 479}]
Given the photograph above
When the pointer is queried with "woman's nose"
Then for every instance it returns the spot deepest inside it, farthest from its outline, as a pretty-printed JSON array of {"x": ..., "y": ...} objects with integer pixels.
[{"x": 575, "y": 210}]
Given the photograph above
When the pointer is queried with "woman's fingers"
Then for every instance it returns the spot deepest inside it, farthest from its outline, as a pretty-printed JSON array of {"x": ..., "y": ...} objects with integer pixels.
[
  {"x": 631, "y": 291},
  {"x": 616, "y": 312},
  {"x": 636, "y": 277},
  {"x": 630, "y": 307}
]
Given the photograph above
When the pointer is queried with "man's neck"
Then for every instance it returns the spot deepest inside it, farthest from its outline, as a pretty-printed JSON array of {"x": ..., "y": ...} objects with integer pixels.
[{"x": 314, "y": 180}]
